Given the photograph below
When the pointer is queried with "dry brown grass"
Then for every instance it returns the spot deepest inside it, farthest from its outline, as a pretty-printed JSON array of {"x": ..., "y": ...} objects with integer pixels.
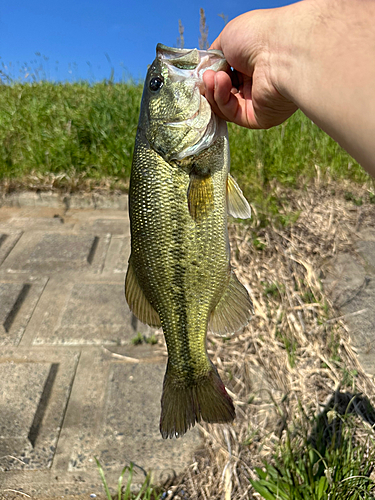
[
  {"x": 295, "y": 356},
  {"x": 66, "y": 183}
]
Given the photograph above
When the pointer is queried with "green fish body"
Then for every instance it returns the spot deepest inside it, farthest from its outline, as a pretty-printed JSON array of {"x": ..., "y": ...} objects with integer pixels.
[{"x": 179, "y": 276}]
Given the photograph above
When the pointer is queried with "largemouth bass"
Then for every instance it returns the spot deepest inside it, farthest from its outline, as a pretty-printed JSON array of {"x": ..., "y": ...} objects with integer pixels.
[{"x": 179, "y": 276}]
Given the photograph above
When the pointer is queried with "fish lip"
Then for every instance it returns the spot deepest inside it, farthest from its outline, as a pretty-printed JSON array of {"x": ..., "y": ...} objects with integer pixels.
[
  {"x": 201, "y": 59},
  {"x": 165, "y": 51}
]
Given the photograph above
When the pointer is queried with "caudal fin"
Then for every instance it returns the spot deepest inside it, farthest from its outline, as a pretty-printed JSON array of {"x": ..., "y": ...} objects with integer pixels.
[{"x": 183, "y": 404}]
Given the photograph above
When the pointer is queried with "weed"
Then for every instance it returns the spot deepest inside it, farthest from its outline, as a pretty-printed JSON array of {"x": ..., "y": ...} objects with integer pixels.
[
  {"x": 124, "y": 492},
  {"x": 142, "y": 339},
  {"x": 138, "y": 339},
  {"x": 290, "y": 346},
  {"x": 203, "y": 30},
  {"x": 259, "y": 245},
  {"x": 348, "y": 195},
  {"x": 300, "y": 471},
  {"x": 273, "y": 289},
  {"x": 152, "y": 340}
]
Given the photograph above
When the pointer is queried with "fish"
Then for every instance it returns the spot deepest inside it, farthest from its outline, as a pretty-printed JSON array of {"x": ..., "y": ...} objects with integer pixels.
[{"x": 179, "y": 275}]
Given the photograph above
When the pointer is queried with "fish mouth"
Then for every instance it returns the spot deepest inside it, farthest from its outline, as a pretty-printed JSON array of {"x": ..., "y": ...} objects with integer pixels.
[
  {"x": 190, "y": 64},
  {"x": 197, "y": 61}
]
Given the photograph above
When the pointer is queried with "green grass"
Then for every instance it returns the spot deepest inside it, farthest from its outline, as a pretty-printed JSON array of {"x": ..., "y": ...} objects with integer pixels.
[
  {"x": 142, "y": 339},
  {"x": 73, "y": 129},
  {"x": 84, "y": 130},
  {"x": 290, "y": 155},
  {"x": 125, "y": 491},
  {"x": 314, "y": 468}
]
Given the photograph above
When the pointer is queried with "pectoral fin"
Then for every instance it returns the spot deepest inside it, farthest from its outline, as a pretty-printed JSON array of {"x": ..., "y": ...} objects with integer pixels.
[
  {"x": 200, "y": 196},
  {"x": 238, "y": 205},
  {"x": 137, "y": 301},
  {"x": 233, "y": 310}
]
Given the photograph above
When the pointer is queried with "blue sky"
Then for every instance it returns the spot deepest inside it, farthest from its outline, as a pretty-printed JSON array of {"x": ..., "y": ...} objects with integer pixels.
[{"x": 75, "y": 38}]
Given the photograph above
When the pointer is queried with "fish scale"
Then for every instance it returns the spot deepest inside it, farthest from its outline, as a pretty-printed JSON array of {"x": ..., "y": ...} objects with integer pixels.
[{"x": 179, "y": 276}]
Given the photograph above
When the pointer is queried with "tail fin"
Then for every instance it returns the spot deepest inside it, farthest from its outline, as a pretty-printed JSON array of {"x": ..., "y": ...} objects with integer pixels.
[{"x": 185, "y": 403}]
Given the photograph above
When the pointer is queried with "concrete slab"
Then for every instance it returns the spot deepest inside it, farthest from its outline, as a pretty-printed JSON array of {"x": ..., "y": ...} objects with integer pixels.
[
  {"x": 65, "y": 248},
  {"x": 96, "y": 314},
  {"x": 36, "y": 222},
  {"x": 35, "y": 391},
  {"x": 112, "y": 226},
  {"x": 8, "y": 239},
  {"x": 50, "y": 253},
  {"x": 351, "y": 283},
  {"x": 117, "y": 256},
  {"x": 11, "y": 298},
  {"x": 19, "y": 296},
  {"x": 117, "y": 415},
  {"x": 85, "y": 313},
  {"x": 135, "y": 389},
  {"x": 93, "y": 200},
  {"x": 28, "y": 379}
]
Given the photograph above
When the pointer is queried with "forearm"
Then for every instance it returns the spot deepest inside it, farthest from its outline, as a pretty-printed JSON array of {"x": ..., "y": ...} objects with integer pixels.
[{"x": 325, "y": 64}]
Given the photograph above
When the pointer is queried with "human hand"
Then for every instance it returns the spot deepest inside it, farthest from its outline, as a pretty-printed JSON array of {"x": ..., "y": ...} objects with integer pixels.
[{"x": 250, "y": 44}]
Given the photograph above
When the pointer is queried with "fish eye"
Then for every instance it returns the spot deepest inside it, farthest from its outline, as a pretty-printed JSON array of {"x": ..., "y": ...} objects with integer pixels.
[{"x": 156, "y": 83}]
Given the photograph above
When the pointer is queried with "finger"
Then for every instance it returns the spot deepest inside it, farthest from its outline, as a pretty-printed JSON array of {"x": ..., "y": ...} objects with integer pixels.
[
  {"x": 235, "y": 107},
  {"x": 209, "y": 85}
]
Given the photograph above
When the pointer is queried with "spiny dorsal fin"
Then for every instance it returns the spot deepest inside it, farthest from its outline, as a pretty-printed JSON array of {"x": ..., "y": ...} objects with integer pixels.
[
  {"x": 233, "y": 310},
  {"x": 200, "y": 196},
  {"x": 136, "y": 299},
  {"x": 238, "y": 205}
]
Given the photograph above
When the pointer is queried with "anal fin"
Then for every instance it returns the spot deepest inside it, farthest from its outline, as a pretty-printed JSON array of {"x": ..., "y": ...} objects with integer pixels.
[
  {"x": 233, "y": 310},
  {"x": 238, "y": 205},
  {"x": 137, "y": 301}
]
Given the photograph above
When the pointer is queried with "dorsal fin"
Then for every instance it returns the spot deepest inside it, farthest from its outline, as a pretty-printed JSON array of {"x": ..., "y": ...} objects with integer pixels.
[
  {"x": 137, "y": 301},
  {"x": 238, "y": 205},
  {"x": 233, "y": 310}
]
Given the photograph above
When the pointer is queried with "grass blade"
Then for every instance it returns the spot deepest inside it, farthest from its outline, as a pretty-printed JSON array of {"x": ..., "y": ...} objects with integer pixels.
[{"x": 104, "y": 481}]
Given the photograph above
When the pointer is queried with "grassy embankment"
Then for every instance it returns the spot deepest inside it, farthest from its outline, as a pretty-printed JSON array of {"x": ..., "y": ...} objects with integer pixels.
[
  {"x": 81, "y": 136},
  {"x": 294, "y": 356}
]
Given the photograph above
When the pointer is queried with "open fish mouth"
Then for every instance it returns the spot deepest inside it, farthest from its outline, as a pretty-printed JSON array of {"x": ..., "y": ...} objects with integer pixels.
[
  {"x": 189, "y": 65},
  {"x": 193, "y": 60}
]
